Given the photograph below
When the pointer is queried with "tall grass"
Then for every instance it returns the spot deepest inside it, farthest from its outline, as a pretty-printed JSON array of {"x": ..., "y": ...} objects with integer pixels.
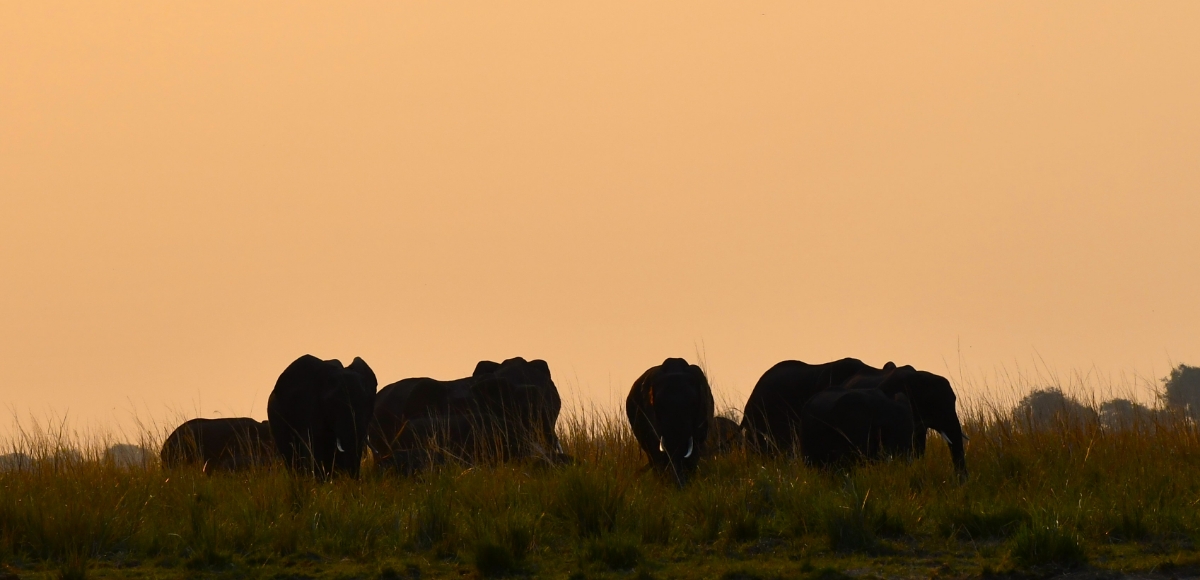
[{"x": 1036, "y": 496}]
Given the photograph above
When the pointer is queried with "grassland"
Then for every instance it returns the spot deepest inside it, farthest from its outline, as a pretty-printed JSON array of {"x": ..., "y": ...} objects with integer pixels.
[{"x": 1073, "y": 496}]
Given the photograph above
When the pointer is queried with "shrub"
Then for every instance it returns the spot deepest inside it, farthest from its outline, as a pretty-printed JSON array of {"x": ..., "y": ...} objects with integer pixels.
[
  {"x": 743, "y": 526},
  {"x": 433, "y": 518},
  {"x": 1047, "y": 543},
  {"x": 590, "y": 500},
  {"x": 1130, "y": 522},
  {"x": 983, "y": 524},
  {"x": 615, "y": 552},
  {"x": 492, "y": 559},
  {"x": 656, "y": 526},
  {"x": 847, "y": 530}
]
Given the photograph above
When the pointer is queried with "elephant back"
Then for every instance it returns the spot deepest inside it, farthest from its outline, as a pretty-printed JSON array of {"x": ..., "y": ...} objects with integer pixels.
[{"x": 772, "y": 415}]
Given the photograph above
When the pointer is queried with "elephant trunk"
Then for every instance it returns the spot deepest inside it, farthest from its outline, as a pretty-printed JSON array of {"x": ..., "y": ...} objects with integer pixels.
[{"x": 955, "y": 438}]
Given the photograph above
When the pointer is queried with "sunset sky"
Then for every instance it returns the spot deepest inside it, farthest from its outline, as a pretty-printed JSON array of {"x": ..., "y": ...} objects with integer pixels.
[{"x": 193, "y": 194}]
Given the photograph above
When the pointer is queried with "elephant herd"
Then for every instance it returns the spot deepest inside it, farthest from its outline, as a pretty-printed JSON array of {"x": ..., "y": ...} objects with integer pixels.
[{"x": 323, "y": 416}]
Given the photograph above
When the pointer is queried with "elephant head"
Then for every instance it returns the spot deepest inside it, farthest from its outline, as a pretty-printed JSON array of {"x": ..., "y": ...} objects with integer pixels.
[
  {"x": 681, "y": 402},
  {"x": 533, "y": 401},
  {"x": 934, "y": 407},
  {"x": 350, "y": 400},
  {"x": 319, "y": 414}
]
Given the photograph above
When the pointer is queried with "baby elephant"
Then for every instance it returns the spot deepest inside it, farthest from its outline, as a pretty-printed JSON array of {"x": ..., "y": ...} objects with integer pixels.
[
  {"x": 231, "y": 444},
  {"x": 841, "y": 426},
  {"x": 670, "y": 409}
]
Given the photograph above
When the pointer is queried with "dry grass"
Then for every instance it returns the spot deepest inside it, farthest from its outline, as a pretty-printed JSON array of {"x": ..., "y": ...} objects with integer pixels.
[{"x": 1069, "y": 495}]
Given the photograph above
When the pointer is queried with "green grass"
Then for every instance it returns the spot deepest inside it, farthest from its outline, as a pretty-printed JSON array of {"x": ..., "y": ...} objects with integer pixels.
[{"x": 1076, "y": 496}]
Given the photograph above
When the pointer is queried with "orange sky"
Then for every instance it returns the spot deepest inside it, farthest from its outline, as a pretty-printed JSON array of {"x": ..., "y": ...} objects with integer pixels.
[{"x": 194, "y": 194}]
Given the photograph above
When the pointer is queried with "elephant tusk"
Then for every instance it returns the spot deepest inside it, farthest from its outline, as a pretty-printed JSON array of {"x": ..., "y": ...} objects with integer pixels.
[
  {"x": 660, "y": 445},
  {"x": 339, "y": 445},
  {"x": 943, "y": 436},
  {"x": 965, "y": 438},
  {"x": 688, "y": 455}
]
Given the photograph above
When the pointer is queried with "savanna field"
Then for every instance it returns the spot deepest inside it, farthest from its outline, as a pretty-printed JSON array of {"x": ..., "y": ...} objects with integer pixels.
[{"x": 1066, "y": 491}]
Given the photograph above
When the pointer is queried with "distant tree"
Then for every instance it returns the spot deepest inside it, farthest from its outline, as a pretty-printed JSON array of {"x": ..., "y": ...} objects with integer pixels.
[
  {"x": 1181, "y": 390},
  {"x": 128, "y": 456},
  {"x": 1048, "y": 408},
  {"x": 1119, "y": 414},
  {"x": 15, "y": 462}
]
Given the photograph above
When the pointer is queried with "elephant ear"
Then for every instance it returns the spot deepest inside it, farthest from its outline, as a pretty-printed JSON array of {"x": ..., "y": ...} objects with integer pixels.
[
  {"x": 365, "y": 373},
  {"x": 303, "y": 375},
  {"x": 485, "y": 367},
  {"x": 542, "y": 370},
  {"x": 899, "y": 380}
]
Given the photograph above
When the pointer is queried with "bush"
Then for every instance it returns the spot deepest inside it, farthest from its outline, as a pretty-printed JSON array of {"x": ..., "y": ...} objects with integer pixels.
[
  {"x": 1130, "y": 523},
  {"x": 589, "y": 500},
  {"x": 656, "y": 526},
  {"x": 433, "y": 519},
  {"x": 743, "y": 526},
  {"x": 983, "y": 524},
  {"x": 1047, "y": 543},
  {"x": 492, "y": 559},
  {"x": 848, "y": 531},
  {"x": 615, "y": 552}
]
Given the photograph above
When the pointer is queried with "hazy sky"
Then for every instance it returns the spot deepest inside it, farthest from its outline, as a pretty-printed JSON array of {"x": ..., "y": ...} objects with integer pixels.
[{"x": 193, "y": 194}]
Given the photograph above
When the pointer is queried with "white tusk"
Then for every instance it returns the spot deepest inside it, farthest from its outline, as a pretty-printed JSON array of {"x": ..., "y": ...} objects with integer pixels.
[
  {"x": 339, "y": 445},
  {"x": 660, "y": 445},
  {"x": 943, "y": 436},
  {"x": 689, "y": 453}
]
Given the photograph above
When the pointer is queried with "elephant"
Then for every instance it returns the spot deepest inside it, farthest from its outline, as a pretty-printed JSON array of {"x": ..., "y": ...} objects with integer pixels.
[
  {"x": 670, "y": 410},
  {"x": 232, "y": 444},
  {"x": 502, "y": 411},
  {"x": 319, "y": 413},
  {"x": 933, "y": 407},
  {"x": 773, "y": 412},
  {"x": 537, "y": 404},
  {"x": 842, "y": 426},
  {"x": 774, "y": 407},
  {"x": 418, "y": 421}
]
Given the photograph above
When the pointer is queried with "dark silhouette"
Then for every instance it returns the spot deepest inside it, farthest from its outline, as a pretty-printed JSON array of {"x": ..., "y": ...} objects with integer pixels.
[
  {"x": 772, "y": 418},
  {"x": 319, "y": 412},
  {"x": 213, "y": 445},
  {"x": 844, "y": 426},
  {"x": 772, "y": 415},
  {"x": 670, "y": 409},
  {"x": 502, "y": 411}
]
